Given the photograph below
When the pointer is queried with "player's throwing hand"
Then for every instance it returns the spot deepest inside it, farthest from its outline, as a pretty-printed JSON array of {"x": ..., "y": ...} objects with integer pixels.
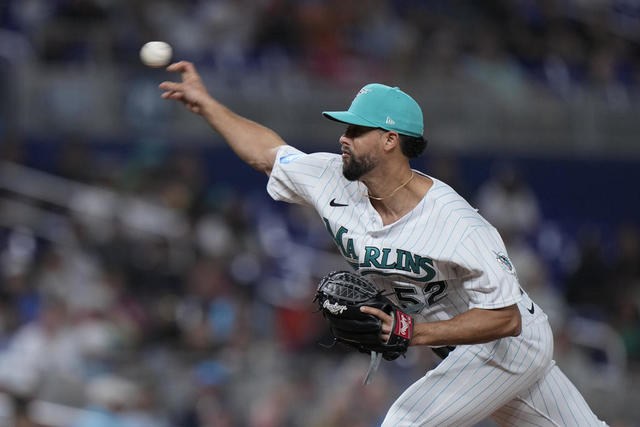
[
  {"x": 257, "y": 145},
  {"x": 191, "y": 91}
]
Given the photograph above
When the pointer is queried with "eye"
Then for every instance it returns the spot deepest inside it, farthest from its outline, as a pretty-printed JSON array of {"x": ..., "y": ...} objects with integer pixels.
[{"x": 354, "y": 131}]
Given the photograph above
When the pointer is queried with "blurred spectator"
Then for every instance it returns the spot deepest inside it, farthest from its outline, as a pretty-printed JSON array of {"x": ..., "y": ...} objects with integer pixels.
[
  {"x": 626, "y": 266},
  {"x": 604, "y": 75},
  {"x": 211, "y": 404},
  {"x": 109, "y": 398},
  {"x": 587, "y": 285},
  {"x": 74, "y": 276},
  {"x": 626, "y": 320},
  {"x": 490, "y": 64},
  {"x": 208, "y": 316},
  {"x": 626, "y": 289},
  {"x": 506, "y": 201},
  {"x": 43, "y": 347},
  {"x": 446, "y": 167}
]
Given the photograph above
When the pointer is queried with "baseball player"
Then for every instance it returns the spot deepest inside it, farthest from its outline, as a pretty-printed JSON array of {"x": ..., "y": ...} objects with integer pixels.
[{"x": 414, "y": 236}]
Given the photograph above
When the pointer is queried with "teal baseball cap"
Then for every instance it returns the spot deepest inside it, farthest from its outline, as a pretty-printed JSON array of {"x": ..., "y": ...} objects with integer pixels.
[{"x": 381, "y": 106}]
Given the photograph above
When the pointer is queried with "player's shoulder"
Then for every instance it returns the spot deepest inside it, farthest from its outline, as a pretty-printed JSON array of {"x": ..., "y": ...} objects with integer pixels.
[
  {"x": 289, "y": 155},
  {"x": 451, "y": 206},
  {"x": 445, "y": 196}
]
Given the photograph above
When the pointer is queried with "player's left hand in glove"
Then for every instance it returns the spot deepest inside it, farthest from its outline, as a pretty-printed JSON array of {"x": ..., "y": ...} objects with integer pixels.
[{"x": 341, "y": 294}]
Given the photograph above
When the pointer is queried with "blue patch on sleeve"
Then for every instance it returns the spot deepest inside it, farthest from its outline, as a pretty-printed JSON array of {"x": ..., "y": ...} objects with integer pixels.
[{"x": 289, "y": 158}]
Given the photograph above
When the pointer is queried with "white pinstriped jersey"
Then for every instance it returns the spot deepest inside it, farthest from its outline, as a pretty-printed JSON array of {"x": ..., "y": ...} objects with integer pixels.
[{"x": 440, "y": 259}]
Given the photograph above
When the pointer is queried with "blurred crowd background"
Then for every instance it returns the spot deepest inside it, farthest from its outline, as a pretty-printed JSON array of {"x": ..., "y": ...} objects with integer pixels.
[{"x": 148, "y": 280}]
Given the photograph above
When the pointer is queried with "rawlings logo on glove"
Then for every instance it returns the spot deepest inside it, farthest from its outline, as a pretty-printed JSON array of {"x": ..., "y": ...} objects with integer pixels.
[
  {"x": 334, "y": 308},
  {"x": 341, "y": 294},
  {"x": 405, "y": 326}
]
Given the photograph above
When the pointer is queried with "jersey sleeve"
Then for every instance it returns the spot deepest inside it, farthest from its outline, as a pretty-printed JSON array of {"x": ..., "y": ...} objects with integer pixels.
[
  {"x": 492, "y": 281},
  {"x": 296, "y": 176}
]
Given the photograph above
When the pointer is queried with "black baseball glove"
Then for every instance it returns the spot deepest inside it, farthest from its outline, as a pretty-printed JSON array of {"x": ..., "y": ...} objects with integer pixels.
[{"x": 341, "y": 294}]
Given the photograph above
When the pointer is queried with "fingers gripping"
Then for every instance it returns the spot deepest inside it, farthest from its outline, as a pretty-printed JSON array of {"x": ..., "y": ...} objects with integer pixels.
[{"x": 387, "y": 320}]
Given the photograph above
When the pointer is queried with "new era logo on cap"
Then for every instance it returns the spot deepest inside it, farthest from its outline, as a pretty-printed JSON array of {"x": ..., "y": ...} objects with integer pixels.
[{"x": 390, "y": 121}]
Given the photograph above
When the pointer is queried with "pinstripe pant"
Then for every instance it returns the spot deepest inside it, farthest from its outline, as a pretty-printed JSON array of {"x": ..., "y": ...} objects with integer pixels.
[{"x": 513, "y": 380}]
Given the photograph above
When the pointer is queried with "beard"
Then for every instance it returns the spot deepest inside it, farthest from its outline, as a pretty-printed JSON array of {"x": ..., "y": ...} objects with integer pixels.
[{"x": 354, "y": 168}]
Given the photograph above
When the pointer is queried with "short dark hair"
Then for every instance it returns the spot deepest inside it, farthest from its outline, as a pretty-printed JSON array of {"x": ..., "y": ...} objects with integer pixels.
[{"x": 412, "y": 146}]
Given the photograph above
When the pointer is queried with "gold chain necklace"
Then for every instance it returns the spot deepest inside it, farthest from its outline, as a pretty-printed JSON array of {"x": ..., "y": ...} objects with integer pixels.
[{"x": 390, "y": 194}]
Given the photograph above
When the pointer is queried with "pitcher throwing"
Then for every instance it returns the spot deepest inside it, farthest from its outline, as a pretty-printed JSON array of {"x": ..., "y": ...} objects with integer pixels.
[{"x": 416, "y": 238}]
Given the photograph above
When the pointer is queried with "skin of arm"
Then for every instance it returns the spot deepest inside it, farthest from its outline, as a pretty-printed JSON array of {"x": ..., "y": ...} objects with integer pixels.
[
  {"x": 472, "y": 327},
  {"x": 255, "y": 144}
]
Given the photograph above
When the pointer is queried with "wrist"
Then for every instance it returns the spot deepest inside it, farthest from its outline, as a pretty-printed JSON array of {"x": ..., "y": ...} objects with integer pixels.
[
  {"x": 418, "y": 337},
  {"x": 208, "y": 107}
]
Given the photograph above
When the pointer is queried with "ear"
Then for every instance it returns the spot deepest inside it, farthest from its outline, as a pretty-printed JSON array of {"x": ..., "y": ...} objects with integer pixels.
[{"x": 391, "y": 140}]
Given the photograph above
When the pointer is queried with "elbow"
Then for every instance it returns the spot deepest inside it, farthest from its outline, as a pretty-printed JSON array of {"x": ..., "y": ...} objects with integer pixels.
[
  {"x": 265, "y": 161},
  {"x": 512, "y": 321},
  {"x": 260, "y": 166},
  {"x": 515, "y": 324}
]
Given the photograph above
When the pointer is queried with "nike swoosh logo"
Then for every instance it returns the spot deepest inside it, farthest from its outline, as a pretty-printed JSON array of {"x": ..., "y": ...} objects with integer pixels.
[
  {"x": 335, "y": 204},
  {"x": 532, "y": 309}
]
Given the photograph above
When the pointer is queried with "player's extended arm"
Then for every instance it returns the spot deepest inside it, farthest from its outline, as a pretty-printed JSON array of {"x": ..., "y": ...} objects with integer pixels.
[
  {"x": 252, "y": 142},
  {"x": 472, "y": 327}
]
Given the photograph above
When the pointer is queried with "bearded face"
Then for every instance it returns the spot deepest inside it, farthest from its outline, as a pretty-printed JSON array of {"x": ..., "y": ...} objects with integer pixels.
[{"x": 354, "y": 167}]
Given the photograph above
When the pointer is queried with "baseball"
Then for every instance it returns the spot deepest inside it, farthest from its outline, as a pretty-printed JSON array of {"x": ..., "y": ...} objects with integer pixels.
[{"x": 156, "y": 54}]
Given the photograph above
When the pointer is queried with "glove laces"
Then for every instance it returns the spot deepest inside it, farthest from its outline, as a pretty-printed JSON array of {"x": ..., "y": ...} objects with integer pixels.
[{"x": 373, "y": 367}]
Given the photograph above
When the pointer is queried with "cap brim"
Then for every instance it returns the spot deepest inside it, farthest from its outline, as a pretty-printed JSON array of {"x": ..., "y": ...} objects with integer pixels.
[{"x": 348, "y": 117}]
